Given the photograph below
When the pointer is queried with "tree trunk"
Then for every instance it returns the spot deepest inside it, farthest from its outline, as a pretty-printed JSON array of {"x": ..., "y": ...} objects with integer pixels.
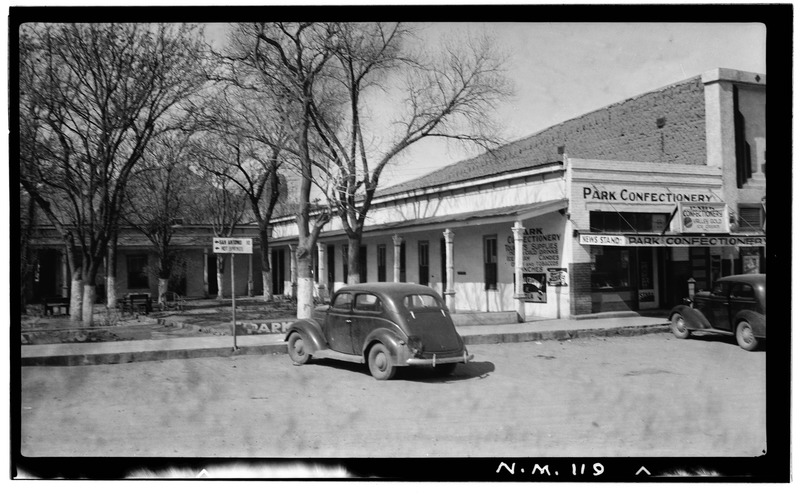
[
  {"x": 111, "y": 292},
  {"x": 354, "y": 261},
  {"x": 162, "y": 288},
  {"x": 76, "y": 297},
  {"x": 89, "y": 295},
  {"x": 266, "y": 279},
  {"x": 305, "y": 288},
  {"x": 265, "y": 270},
  {"x": 220, "y": 276}
]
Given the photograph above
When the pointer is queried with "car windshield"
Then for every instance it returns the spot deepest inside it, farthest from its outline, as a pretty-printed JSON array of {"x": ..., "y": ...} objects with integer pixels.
[{"x": 419, "y": 301}]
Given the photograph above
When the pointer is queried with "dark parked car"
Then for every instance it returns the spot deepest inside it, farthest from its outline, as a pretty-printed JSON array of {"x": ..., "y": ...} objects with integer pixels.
[
  {"x": 735, "y": 305},
  {"x": 386, "y": 325}
]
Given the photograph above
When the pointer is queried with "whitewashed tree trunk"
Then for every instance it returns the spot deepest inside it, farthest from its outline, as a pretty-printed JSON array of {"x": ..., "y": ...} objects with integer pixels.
[
  {"x": 89, "y": 295},
  {"x": 111, "y": 292},
  {"x": 305, "y": 297},
  {"x": 76, "y": 301},
  {"x": 267, "y": 283},
  {"x": 162, "y": 288},
  {"x": 220, "y": 278}
]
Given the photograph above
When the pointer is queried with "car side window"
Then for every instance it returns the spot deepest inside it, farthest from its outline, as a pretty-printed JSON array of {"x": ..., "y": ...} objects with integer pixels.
[
  {"x": 343, "y": 301},
  {"x": 720, "y": 289},
  {"x": 367, "y": 302},
  {"x": 741, "y": 290}
]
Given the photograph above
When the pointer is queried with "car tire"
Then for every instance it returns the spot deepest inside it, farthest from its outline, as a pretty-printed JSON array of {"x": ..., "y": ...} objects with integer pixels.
[
  {"x": 678, "y": 326},
  {"x": 445, "y": 369},
  {"x": 380, "y": 362},
  {"x": 296, "y": 347},
  {"x": 745, "y": 337}
]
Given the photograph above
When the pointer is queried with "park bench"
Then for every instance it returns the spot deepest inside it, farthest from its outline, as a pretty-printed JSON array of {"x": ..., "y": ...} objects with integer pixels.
[
  {"x": 50, "y": 303},
  {"x": 136, "y": 303}
]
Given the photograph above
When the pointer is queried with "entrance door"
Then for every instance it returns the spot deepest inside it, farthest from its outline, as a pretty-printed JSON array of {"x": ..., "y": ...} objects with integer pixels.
[
  {"x": 211, "y": 269},
  {"x": 443, "y": 258}
]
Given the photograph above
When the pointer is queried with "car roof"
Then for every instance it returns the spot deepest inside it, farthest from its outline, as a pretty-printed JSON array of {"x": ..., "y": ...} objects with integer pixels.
[
  {"x": 390, "y": 289},
  {"x": 746, "y": 278}
]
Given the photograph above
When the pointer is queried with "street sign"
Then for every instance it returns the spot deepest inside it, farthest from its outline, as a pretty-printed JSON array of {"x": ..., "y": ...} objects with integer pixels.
[{"x": 224, "y": 245}]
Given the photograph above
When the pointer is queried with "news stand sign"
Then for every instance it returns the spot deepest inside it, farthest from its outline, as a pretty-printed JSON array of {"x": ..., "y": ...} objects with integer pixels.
[{"x": 233, "y": 246}]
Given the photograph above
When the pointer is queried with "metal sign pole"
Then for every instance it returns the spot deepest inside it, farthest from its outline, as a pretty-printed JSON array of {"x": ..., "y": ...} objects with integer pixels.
[{"x": 233, "y": 302}]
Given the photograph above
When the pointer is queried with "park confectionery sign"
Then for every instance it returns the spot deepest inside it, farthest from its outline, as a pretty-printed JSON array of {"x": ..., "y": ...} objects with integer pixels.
[
  {"x": 637, "y": 240},
  {"x": 703, "y": 217}
]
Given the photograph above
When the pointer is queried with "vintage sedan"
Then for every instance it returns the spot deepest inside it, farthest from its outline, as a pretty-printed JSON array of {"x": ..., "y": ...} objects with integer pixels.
[
  {"x": 735, "y": 305},
  {"x": 385, "y": 325}
]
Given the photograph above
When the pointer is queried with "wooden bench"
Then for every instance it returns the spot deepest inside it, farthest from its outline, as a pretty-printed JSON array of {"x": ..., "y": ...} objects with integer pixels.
[
  {"x": 50, "y": 303},
  {"x": 136, "y": 303}
]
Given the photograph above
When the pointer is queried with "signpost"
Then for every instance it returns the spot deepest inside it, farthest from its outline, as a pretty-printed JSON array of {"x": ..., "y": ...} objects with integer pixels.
[{"x": 233, "y": 246}]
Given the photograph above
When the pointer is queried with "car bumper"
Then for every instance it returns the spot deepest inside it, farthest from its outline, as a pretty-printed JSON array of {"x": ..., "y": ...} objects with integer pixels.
[{"x": 433, "y": 362}]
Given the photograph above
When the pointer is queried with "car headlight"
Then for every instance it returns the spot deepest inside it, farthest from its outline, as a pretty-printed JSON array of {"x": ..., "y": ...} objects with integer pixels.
[{"x": 415, "y": 344}]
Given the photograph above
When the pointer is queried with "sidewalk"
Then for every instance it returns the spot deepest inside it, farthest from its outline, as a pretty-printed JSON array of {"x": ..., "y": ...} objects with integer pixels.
[{"x": 222, "y": 345}]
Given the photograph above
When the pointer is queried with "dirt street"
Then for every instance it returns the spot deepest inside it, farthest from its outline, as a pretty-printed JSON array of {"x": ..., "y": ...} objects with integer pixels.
[{"x": 648, "y": 395}]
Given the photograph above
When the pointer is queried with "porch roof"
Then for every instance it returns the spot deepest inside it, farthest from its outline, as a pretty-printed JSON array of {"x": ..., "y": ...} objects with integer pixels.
[{"x": 467, "y": 218}]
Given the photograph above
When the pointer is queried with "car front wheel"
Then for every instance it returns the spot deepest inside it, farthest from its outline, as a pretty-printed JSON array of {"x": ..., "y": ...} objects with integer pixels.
[
  {"x": 678, "y": 326},
  {"x": 380, "y": 362},
  {"x": 297, "y": 349},
  {"x": 745, "y": 337}
]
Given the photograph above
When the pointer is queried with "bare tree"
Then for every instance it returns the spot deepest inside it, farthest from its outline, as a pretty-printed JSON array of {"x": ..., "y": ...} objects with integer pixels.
[
  {"x": 161, "y": 191},
  {"x": 448, "y": 96},
  {"x": 222, "y": 202},
  {"x": 103, "y": 91},
  {"x": 289, "y": 59},
  {"x": 252, "y": 139}
]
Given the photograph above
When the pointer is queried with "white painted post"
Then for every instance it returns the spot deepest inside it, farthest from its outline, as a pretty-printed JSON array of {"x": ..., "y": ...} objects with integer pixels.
[
  {"x": 397, "y": 240},
  {"x": 519, "y": 295},
  {"x": 449, "y": 291}
]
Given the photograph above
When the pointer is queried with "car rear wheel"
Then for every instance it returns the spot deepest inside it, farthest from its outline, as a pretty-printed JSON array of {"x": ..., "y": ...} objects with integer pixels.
[
  {"x": 745, "y": 337},
  {"x": 380, "y": 362},
  {"x": 297, "y": 349},
  {"x": 445, "y": 369},
  {"x": 678, "y": 326}
]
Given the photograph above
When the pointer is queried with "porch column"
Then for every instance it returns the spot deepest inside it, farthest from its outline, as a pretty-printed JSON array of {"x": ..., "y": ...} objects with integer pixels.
[
  {"x": 322, "y": 266},
  {"x": 250, "y": 275},
  {"x": 397, "y": 240},
  {"x": 449, "y": 290},
  {"x": 64, "y": 274},
  {"x": 293, "y": 269},
  {"x": 519, "y": 295},
  {"x": 205, "y": 272}
]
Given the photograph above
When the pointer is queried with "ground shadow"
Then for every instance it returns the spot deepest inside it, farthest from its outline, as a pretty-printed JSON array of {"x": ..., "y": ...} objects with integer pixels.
[
  {"x": 471, "y": 370},
  {"x": 724, "y": 339}
]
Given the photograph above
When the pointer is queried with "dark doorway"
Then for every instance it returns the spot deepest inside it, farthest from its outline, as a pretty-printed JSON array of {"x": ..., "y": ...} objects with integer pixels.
[
  {"x": 211, "y": 269},
  {"x": 45, "y": 275},
  {"x": 331, "y": 267},
  {"x": 443, "y": 257},
  {"x": 278, "y": 271}
]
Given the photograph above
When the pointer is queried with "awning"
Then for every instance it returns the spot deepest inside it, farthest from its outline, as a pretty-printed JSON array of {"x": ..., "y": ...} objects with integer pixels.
[{"x": 469, "y": 218}]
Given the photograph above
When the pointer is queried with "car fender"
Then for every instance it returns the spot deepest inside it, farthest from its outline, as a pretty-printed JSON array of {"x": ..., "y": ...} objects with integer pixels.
[
  {"x": 757, "y": 321},
  {"x": 693, "y": 318},
  {"x": 311, "y": 332},
  {"x": 394, "y": 343}
]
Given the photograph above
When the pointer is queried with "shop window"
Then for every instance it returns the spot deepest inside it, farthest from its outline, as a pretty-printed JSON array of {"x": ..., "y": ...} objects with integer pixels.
[
  {"x": 614, "y": 221},
  {"x": 424, "y": 272},
  {"x": 137, "y": 271},
  {"x": 611, "y": 268},
  {"x": 490, "y": 262},
  {"x": 382, "y": 262},
  {"x": 749, "y": 219}
]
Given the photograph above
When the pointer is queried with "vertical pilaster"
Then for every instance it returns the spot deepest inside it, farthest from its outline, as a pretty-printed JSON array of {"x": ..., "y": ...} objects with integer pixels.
[
  {"x": 519, "y": 295},
  {"x": 397, "y": 240},
  {"x": 449, "y": 291}
]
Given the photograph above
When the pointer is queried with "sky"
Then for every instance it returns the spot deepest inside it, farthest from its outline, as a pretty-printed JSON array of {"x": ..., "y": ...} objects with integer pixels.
[{"x": 564, "y": 70}]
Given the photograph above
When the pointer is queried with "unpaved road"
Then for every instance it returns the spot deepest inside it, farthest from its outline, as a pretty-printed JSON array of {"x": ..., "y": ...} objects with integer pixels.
[{"x": 647, "y": 395}]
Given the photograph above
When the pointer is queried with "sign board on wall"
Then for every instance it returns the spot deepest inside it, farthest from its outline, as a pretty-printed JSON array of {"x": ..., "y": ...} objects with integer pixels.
[
  {"x": 540, "y": 250},
  {"x": 703, "y": 217},
  {"x": 623, "y": 240},
  {"x": 534, "y": 286},
  {"x": 233, "y": 245},
  {"x": 557, "y": 276}
]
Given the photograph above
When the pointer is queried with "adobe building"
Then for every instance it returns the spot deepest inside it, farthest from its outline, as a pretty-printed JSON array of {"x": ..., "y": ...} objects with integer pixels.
[{"x": 615, "y": 210}]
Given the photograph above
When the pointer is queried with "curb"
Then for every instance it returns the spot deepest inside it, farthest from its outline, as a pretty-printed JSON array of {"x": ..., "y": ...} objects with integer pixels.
[{"x": 280, "y": 348}]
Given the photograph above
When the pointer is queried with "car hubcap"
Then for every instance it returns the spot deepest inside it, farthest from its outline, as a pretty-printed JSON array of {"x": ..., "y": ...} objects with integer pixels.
[
  {"x": 380, "y": 361},
  {"x": 747, "y": 333},
  {"x": 298, "y": 348},
  {"x": 679, "y": 325}
]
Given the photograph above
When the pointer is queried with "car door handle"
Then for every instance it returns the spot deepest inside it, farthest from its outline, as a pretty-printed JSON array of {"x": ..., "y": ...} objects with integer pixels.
[{"x": 348, "y": 321}]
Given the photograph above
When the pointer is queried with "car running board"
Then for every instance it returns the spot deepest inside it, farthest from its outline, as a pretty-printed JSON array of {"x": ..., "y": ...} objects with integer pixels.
[{"x": 358, "y": 359}]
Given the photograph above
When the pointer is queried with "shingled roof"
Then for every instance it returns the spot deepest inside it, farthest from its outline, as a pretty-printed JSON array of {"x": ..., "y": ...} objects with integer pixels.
[{"x": 664, "y": 125}]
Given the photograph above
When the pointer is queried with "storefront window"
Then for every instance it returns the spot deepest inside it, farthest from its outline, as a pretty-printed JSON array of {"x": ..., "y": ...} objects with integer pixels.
[{"x": 611, "y": 268}]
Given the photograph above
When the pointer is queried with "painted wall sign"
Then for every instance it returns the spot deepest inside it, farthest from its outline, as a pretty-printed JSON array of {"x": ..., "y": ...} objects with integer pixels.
[
  {"x": 540, "y": 250},
  {"x": 673, "y": 240},
  {"x": 534, "y": 286},
  {"x": 557, "y": 276},
  {"x": 698, "y": 217},
  {"x": 629, "y": 195}
]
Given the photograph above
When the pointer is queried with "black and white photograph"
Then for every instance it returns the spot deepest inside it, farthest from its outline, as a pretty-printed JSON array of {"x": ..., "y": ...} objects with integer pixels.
[{"x": 525, "y": 243}]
